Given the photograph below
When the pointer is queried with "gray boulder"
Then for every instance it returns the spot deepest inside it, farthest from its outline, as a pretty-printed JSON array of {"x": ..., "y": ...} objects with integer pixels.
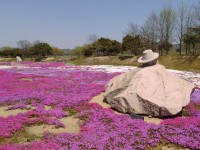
[{"x": 150, "y": 90}]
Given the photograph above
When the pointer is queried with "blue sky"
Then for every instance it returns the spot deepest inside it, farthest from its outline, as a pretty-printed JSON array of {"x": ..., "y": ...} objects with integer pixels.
[{"x": 68, "y": 23}]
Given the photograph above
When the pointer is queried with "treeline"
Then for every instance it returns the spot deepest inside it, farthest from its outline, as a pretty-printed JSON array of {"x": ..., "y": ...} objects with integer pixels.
[
  {"x": 27, "y": 49},
  {"x": 107, "y": 47},
  {"x": 160, "y": 31},
  {"x": 171, "y": 26}
]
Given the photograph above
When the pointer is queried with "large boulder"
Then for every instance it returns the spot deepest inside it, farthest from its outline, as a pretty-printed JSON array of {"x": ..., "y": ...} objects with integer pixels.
[{"x": 150, "y": 90}]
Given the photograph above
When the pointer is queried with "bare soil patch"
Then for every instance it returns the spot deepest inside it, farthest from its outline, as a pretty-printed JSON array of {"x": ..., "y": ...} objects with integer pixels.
[
  {"x": 99, "y": 100},
  {"x": 71, "y": 124}
]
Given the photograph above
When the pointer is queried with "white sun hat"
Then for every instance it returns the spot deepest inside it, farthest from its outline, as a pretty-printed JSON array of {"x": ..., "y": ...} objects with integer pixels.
[{"x": 148, "y": 56}]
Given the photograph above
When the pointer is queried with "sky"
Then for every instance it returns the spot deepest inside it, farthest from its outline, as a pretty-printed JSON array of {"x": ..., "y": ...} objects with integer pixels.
[{"x": 68, "y": 23}]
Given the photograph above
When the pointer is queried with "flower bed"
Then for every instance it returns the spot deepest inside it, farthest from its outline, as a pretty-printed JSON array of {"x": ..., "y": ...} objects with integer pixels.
[{"x": 67, "y": 90}]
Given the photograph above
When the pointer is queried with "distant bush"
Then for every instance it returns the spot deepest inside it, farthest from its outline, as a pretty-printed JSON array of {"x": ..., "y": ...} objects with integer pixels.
[
  {"x": 10, "y": 52},
  {"x": 41, "y": 50}
]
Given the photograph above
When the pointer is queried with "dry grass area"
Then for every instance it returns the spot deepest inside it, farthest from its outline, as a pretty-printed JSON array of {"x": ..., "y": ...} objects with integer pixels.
[
  {"x": 107, "y": 60},
  {"x": 171, "y": 61},
  {"x": 7, "y": 59},
  {"x": 189, "y": 63}
]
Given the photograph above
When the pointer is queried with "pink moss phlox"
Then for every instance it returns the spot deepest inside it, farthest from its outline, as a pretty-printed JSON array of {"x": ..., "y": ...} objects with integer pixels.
[
  {"x": 121, "y": 132},
  {"x": 37, "y": 145},
  {"x": 61, "y": 86},
  {"x": 11, "y": 124},
  {"x": 55, "y": 112},
  {"x": 194, "y": 108},
  {"x": 182, "y": 131},
  {"x": 46, "y": 118},
  {"x": 195, "y": 96},
  {"x": 95, "y": 106},
  {"x": 86, "y": 106},
  {"x": 43, "y": 64},
  {"x": 17, "y": 106},
  {"x": 181, "y": 122}
]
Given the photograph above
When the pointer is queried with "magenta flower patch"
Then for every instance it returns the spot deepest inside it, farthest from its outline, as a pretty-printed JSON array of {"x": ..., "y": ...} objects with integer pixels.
[{"x": 66, "y": 90}]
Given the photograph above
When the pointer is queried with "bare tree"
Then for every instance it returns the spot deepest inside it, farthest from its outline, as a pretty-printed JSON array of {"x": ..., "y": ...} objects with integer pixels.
[
  {"x": 166, "y": 23},
  {"x": 189, "y": 22},
  {"x": 161, "y": 23},
  {"x": 149, "y": 31},
  {"x": 24, "y": 44},
  {"x": 181, "y": 21},
  {"x": 92, "y": 38},
  {"x": 133, "y": 29},
  {"x": 197, "y": 13},
  {"x": 184, "y": 21},
  {"x": 37, "y": 42}
]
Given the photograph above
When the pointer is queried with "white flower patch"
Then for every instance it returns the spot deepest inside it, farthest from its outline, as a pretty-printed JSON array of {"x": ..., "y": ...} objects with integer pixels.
[{"x": 190, "y": 76}]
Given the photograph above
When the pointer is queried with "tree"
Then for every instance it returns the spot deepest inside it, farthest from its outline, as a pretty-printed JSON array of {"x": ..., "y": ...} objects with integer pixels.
[
  {"x": 37, "y": 42},
  {"x": 133, "y": 44},
  {"x": 149, "y": 32},
  {"x": 24, "y": 44},
  {"x": 85, "y": 50},
  {"x": 7, "y": 53},
  {"x": 103, "y": 45},
  {"x": 88, "y": 50},
  {"x": 115, "y": 47},
  {"x": 10, "y": 52},
  {"x": 133, "y": 29},
  {"x": 57, "y": 52},
  {"x": 166, "y": 23},
  {"x": 197, "y": 13},
  {"x": 92, "y": 38},
  {"x": 127, "y": 43},
  {"x": 183, "y": 21},
  {"x": 78, "y": 51},
  {"x": 190, "y": 21},
  {"x": 106, "y": 46},
  {"x": 192, "y": 38},
  {"x": 6, "y": 48},
  {"x": 42, "y": 49},
  {"x": 163, "y": 45}
]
